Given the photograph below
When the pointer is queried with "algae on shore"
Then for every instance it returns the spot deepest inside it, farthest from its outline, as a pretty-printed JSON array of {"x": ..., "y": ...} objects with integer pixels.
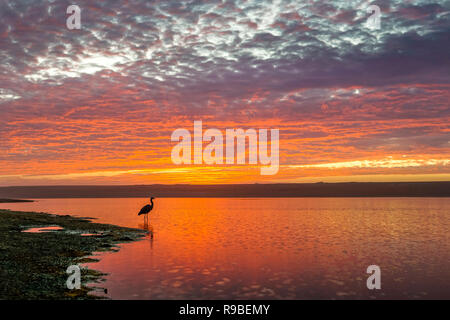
[{"x": 33, "y": 265}]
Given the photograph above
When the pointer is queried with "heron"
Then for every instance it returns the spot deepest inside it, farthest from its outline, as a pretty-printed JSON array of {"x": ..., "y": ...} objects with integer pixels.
[{"x": 146, "y": 209}]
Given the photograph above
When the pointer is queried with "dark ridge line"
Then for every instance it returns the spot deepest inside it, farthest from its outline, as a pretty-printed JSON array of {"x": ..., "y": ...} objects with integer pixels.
[{"x": 278, "y": 190}]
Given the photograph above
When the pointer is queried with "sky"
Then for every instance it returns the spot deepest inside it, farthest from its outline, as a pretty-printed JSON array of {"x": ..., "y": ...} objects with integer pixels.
[{"x": 98, "y": 105}]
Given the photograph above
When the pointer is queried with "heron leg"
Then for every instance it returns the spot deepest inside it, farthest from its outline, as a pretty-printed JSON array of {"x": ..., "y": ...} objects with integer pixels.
[{"x": 145, "y": 223}]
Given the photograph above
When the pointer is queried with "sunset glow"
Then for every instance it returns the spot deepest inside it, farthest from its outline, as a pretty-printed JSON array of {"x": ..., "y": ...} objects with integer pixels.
[{"x": 98, "y": 105}]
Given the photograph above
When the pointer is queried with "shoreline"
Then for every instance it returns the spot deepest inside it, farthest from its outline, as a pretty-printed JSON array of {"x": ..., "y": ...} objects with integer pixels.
[
  {"x": 14, "y": 200},
  {"x": 33, "y": 265}
]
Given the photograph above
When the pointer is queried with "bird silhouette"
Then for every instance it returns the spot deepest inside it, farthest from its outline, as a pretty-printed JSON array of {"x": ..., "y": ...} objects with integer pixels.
[{"x": 146, "y": 210}]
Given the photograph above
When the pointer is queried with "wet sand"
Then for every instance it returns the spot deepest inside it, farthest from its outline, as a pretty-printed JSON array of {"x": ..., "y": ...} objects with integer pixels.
[{"x": 33, "y": 264}]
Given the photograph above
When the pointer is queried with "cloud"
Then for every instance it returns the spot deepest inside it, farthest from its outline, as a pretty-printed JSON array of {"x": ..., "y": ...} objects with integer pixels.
[{"x": 107, "y": 97}]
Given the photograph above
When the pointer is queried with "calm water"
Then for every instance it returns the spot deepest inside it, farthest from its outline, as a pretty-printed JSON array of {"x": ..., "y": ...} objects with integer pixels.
[{"x": 273, "y": 248}]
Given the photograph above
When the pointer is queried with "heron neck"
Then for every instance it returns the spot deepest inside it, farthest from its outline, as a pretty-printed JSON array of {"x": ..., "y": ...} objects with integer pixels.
[{"x": 151, "y": 201}]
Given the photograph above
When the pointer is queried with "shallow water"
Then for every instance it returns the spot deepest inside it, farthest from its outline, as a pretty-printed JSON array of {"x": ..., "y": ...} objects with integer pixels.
[
  {"x": 43, "y": 229},
  {"x": 292, "y": 248}
]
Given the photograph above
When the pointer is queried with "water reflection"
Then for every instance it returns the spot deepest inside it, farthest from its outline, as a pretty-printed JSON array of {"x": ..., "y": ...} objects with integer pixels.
[
  {"x": 273, "y": 248},
  {"x": 43, "y": 229},
  {"x": 149, "y": 228},
  {"x": 146, "y": 226}
]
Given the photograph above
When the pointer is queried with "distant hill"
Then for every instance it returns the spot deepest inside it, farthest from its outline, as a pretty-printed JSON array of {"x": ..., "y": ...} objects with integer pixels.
[
  {"x": 13, "y": 200},
  {"x": 351, "y": 189}
]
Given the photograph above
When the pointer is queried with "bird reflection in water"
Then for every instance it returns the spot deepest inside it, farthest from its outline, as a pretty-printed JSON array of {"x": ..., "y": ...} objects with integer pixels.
[{"x": 148, "y": 227}]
